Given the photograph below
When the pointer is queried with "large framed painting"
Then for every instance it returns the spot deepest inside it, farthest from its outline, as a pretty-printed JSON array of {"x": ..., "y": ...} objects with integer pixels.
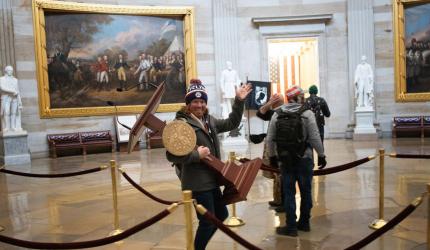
[
  {"x": 90, "y": 54},
  {"x": 412, "y": 50}
]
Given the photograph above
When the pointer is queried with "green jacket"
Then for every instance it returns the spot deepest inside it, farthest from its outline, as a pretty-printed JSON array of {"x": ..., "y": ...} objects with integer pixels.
[{"x": 194, "y": 174}]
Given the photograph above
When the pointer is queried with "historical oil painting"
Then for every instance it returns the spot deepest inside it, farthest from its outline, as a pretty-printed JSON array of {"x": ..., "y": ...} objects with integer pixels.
[
  {"x": 93, "y": 58},
  {"x": 417, "y": 31},
  {"x": 412, "y": 50}
]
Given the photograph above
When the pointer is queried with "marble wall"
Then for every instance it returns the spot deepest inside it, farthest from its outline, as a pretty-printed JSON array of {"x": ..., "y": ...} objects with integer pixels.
[
  {"x": 335, "y": 70},
  {"x": 337, "y": 83},
  {"x": 334, "y": 66}
]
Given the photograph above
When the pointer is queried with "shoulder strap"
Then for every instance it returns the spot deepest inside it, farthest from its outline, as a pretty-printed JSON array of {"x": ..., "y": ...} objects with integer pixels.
[{"x": 302, "y": 109}]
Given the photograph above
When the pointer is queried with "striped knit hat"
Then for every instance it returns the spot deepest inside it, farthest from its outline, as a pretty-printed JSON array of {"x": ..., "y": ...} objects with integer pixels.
[
  {"x": 294, "y": 91},
  {"x": 196, "y": 90}
]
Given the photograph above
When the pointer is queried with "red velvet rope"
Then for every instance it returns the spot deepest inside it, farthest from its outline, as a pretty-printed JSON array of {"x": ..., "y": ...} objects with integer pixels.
[
  {"x": 318, "y": 172},
  {"x": 270, "y": 169},
  {"x": 411, "y": 156},
  {"x": 86, "y": 244},
  {"x": 393, "y": 222},
  {"x": 88, "y": 171},
  {"x": 209, "y": 216},
  {"x": 339, "y": 168},
  {"x": 142, "y": 190}
]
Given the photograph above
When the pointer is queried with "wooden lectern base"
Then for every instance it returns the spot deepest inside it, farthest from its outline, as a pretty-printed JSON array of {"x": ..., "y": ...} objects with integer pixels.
[{"x": 237, "y": 179}]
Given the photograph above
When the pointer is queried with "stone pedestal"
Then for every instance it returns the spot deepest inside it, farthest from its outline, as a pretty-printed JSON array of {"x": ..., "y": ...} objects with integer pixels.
[
  {"x": 235, "y": 139},
  {"x": 364, "y": 129},
  {"x": 14, "y": 148}
]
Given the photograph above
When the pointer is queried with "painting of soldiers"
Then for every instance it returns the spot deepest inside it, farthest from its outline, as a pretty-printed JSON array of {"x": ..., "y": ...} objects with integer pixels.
[
  {"x": 117, "y": 55},
  {"x": 417, "y": 31}
]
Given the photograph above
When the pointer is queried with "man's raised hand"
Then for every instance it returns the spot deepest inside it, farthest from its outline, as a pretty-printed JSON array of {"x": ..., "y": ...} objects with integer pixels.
[{"x": 243, "y": 91}]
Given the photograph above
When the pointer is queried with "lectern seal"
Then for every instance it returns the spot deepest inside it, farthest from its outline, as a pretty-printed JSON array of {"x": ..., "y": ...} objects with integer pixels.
[{"x": 179, "y": 138}]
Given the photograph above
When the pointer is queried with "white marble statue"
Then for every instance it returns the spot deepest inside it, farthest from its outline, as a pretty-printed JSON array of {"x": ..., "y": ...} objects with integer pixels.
[
  {"x": 363, "y": 81},
  {"x": 10, "y": 102},
  {"x": 229, "y": 81}
]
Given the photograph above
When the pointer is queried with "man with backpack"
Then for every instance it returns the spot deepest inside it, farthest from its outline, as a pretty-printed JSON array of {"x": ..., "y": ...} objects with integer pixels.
[
  {"x": 291, "y": 138},
  {"x": 320, "y": 108}
]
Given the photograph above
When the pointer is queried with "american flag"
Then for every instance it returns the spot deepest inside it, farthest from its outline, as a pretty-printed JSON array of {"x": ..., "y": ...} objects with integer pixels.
[{"x": 274, "y": 73}]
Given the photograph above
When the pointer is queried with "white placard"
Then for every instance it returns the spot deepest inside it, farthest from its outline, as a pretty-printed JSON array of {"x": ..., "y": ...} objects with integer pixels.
[{"x": 123, "y": 133}]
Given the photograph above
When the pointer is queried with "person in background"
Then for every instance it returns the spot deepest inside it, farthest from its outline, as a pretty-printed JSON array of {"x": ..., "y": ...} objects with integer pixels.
[
  {"x": 265, "y": 113},
  {"x": 320, "y": 108},
  {"x": 299, "y": 170}
]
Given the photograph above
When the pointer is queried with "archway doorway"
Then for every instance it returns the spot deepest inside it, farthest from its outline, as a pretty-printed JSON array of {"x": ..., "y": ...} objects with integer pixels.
[{"x": 293, "y": 61}]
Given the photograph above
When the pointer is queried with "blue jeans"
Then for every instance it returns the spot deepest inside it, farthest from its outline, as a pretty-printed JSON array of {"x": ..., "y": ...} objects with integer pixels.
[
  {"x": 321, "y": 129},
  {"x": 212, "y": 201},
  {"x": 302, "y": 173}
]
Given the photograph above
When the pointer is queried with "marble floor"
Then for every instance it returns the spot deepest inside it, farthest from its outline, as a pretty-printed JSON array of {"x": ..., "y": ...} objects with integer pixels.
[{"x": 80, "y": 208}]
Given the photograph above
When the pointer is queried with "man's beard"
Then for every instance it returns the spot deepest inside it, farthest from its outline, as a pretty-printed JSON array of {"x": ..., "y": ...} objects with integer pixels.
[{"x": 198, "y": 113}]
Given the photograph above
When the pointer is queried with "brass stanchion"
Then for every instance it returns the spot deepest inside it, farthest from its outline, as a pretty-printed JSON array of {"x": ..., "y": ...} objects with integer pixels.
[
  {"x": 233, "y": 221},
  {"x": 428, "y": 216},
  {"x": 117, "y": 229},
  {"x": 188, "y": 206},
  {"x": 378, "y": 223}
]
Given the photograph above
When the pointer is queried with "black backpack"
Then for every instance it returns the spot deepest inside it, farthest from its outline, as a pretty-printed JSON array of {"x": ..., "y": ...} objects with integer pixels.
[
  {"x": 315, "y": 106},
  {"x": 290, "y": 142}
]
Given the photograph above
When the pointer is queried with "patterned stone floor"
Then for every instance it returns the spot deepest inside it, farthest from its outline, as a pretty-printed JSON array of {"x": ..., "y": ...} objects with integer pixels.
[{"x": 80, "y": 208}]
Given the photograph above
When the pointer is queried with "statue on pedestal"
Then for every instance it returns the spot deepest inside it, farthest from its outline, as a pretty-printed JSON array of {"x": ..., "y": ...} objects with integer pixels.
[
  {"x": 11, "y": 104},
  {"x": 229, "y": 82},
  {"x": 363, "y": 81}
]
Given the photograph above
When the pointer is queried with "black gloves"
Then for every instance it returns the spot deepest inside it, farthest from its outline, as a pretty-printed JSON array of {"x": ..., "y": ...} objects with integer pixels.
[
  {"x": 274, "y": 162},
  {"x": 321, "y": 162}
]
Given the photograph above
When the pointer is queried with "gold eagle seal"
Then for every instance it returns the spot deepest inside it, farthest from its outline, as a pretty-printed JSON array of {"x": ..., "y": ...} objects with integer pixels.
[{"x": 179, "y": 138}]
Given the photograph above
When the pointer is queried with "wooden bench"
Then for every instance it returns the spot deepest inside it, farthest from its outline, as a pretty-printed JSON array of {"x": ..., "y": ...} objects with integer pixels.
[
  {"x": 426, "y": 126},
  {"x": 79, "y": 140},
  {"x": 411, "y": 126}
]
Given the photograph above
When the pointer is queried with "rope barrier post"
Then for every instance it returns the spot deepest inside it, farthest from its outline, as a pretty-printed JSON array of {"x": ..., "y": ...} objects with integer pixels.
[
  {"x": 233, "y": 221},
  {"x": 428, "y": 216},
  {"x": 378, "y": 223},
  {"x": 117, "y": 229},
  {"x": 187, "y": 196}
]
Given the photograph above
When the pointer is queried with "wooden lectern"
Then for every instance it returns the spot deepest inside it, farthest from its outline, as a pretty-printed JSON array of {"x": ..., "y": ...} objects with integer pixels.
[{"x": 237, "y": 179}]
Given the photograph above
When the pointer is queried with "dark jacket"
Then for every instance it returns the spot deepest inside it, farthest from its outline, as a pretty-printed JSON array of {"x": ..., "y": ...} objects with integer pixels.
[
  {"x": 194, "y": 174},
  {"x": 310, "y": 131},
  {"x": 319, "y": 106},
  {"x": 265, "y": 117}
]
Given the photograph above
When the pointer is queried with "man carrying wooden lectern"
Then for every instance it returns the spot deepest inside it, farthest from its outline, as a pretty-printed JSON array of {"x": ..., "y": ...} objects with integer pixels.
[{"x": 194, "y": 174}]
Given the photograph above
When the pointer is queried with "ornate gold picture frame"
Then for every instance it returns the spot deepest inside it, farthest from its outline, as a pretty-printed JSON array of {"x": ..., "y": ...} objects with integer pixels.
[
  {"x": 412, "y": 50},
  {"x": 92, "y": 55}
]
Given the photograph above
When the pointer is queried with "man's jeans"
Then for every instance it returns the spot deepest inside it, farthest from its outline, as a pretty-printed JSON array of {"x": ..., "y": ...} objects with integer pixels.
[
  {"x": 302, "y": 173},
  {"x": 321, "y": 130},
  {"x": 212, "y": 201}
]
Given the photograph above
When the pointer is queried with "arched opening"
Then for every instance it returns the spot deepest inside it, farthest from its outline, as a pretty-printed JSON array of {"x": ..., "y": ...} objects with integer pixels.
[{"x": 293, "y": 61}]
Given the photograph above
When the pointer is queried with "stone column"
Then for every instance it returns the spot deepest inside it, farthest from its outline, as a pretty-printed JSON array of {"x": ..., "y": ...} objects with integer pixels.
[
  {"x": 7, "y": 48},
  {"x": 226, "y": 40},
  {"x": 361, "y": 39},
  {"x": 360, "y": 42}
]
